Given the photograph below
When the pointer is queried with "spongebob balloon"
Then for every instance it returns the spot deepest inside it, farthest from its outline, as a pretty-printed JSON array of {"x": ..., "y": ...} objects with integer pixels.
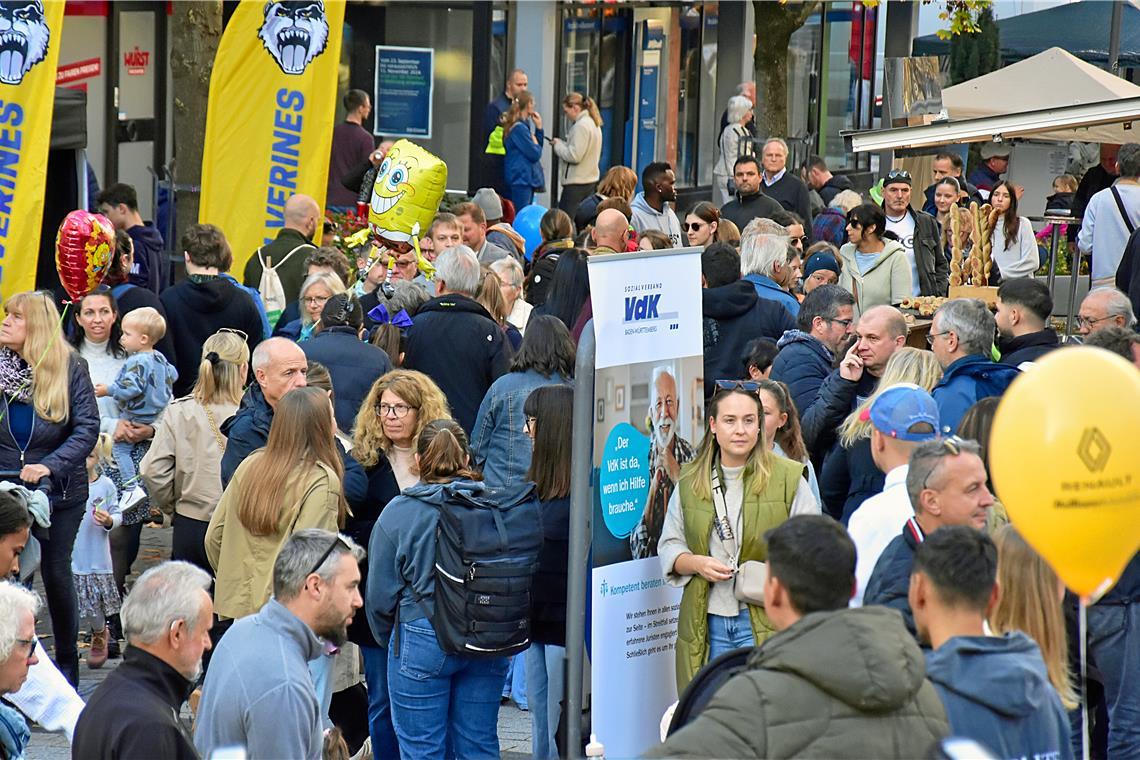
[{"x": 409, "y": 186}]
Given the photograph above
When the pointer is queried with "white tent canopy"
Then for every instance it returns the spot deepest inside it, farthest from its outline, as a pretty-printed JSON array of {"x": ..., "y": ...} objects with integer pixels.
[{"x": 1050, "y": 96}]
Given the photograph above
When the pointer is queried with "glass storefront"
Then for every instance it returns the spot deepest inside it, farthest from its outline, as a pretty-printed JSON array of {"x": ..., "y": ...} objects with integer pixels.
[{"x": 848, "y": 77}]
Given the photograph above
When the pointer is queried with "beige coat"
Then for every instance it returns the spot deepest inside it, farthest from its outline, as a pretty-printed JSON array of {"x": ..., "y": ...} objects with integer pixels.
[
  {"x": 182, "y": 470},
  {"x": 243, "y": 562},
  {"x": 581, "y": 152},
  {"x": 886, "y": 283}
]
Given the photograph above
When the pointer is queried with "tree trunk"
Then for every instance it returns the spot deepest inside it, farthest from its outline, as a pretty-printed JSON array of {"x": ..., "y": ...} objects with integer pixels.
[
  {"x": 775, "y": 24},
  {"x": 196, "y": 30}
]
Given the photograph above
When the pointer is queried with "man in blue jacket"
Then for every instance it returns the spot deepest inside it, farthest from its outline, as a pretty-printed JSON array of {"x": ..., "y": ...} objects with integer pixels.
[
  {"x": 962, "y": 338},
  {"x": 826, "y": 319},
  {"x": 995, "y": 688}
]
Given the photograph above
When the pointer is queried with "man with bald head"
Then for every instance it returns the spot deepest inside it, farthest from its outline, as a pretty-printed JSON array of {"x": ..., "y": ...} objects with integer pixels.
[
  {"x": 286, "y": 254},
  {"x": 611, "y": 229},
  {"x": 279, "y": 365}
]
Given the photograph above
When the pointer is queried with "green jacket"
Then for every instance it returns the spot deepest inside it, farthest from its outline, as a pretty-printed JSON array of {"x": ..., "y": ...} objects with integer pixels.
[
  {"x": 844, "y": 684},
  {"x": 886, "y": 283},
  {"x": 760, "y": 514}
]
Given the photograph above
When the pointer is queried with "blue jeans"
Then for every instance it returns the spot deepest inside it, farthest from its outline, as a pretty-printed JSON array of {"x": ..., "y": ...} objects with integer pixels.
[
  {"x": 544, "y": 684},
  {"x": 443, "y": 704},
  {"x": 1114, "y": 644},
  {"x": 726, "y": 634},
  {"x": 514, "y": 685},
  {"x": 384, "y": 743},
  {"x": 520, "y": 195},
  {"x": 122, "y": 451}
]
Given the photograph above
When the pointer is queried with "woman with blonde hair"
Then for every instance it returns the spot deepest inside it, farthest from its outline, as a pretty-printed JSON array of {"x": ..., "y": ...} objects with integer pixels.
[
  {"x": 1030, "y": 602},
  {"x": 182, "y": 470},
  {"x": 849, "y": 474},
  {"x": 50, "y": 425},
  {"x": 490, "y": 297},
  {"x": 581, "y": 152},
  {"x": 734, "y": 491},
  {"x": 292, "y": 483},
  {"x": 619, "y": 182},
  {"x": 316, "y": 291}
]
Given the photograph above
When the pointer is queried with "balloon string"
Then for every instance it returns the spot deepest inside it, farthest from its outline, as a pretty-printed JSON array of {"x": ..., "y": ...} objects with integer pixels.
[
  {"x": 1082, "y": 616},
  {"x": 43, "y": 355}
]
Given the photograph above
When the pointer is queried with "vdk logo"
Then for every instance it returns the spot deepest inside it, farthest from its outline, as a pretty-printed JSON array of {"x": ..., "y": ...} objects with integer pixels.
[{"x": 638, "y": 308}]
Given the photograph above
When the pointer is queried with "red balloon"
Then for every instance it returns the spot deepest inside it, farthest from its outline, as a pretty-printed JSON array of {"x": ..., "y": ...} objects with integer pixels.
[{"x": 83, "y": 249}]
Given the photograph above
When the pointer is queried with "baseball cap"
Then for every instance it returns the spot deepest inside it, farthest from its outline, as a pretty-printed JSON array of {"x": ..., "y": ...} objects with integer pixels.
[
  {"x": 820, "y": 260},
  {"x": 488, "y": 200},
  {"x": 897, "y": 177},
  {"x": 993, "y": 150},
  {"x": 902, "y": 408}
]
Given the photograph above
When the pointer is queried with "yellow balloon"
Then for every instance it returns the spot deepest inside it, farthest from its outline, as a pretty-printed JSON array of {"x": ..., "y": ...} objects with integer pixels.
[
  {"x": 408, "y": 188},
  {"x": 1065, "y": 464}
]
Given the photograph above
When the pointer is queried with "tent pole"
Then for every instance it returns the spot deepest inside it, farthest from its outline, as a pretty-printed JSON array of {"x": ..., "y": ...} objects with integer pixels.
[{"x": 1114, "y": 37}]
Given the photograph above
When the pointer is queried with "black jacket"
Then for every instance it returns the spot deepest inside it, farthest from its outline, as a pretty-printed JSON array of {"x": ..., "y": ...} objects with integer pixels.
[
  {"x": 134, "y": 297},
  {"x": 353, "y": 365},
  {"x": 248, "y": 430},
  {"x": 849, "y": 478},
  {"x": 802, "y": 364},
  {"x": 1128, "y": 273},
  {"x": 890, "y": 580},
  {"x": 837, "y": 399},
  {"x": 455, "y": 342},
  {"x": 382, "y": 488},
  {"x": 734, "y": 315},
  {"x": 744, "y": 208},
  {"x": 933, "y": 268},
  {"x": 1029, "y": 347},
  {"x": 62, "y": 447},
  {"x": 833, "y": 187},
  {"x": 792, "y": 194},
  {"x": 197, "y": 310},
  {"x": 548, "y": 591},
  {"x": 134, "y": 713},
  {"x": 151, "y": 269}
]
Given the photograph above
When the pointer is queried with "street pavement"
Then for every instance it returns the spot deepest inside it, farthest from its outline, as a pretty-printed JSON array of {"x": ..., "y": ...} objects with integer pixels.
[{"x": 514, "y": 724}]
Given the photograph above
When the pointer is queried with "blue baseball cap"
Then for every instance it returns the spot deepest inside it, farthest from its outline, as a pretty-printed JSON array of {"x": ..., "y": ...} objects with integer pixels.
[{"x": 900, "y": 409}]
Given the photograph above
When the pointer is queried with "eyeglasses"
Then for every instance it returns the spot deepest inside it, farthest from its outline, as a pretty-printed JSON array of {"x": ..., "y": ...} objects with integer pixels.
[
  {"x": 931, "y": 336},
  {"x": 693, "y": 226},
  {"x": 316, "y": 300},
  {"x": 31, "y": 644},
  {"x": 748, "y": 386},
  {"x": 240, "y": 333},
  {"x": 399, "y": 411},
  {"x": 951, "y": 445},
  {"x": 845, "y": 322},
  {"x": 328, "y": 551},
  {"x": 530, "y": 423},
  {"x": 1087, "y": 322}
]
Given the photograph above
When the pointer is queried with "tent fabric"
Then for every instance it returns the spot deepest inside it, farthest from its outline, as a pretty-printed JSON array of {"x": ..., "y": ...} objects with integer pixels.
[
  {"x": 1079, "y": 27},
  {"x": 1052, "y": 79}
]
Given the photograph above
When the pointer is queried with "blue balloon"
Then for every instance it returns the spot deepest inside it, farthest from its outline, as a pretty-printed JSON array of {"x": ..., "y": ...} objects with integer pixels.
[{"x": 526, "y": 224}]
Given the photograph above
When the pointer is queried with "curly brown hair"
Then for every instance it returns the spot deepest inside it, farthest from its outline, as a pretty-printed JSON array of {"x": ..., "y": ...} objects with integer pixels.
[{"x": 419, "y": 391}]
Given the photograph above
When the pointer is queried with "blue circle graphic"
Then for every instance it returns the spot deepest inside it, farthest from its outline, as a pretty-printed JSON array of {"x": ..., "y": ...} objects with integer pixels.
[{"x": 623, "y": 481}]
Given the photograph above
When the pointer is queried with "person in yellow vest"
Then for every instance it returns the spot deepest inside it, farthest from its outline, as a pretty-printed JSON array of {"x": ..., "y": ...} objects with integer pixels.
[{"x": 713, "y": 544}]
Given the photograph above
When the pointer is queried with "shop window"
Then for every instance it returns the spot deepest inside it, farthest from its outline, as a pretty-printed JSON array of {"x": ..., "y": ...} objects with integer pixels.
[
  {"x": 698, "y": 117},
  {"x": 848, "y": 72}
]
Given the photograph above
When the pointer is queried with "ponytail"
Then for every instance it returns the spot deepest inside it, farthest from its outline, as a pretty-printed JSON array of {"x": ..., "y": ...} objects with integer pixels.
[
  {"x": 220, "y": 378},
  {"x": 514, "y": 114},
  {"x": 586, "y": 103},
  {"x": 443, "y": 452}
]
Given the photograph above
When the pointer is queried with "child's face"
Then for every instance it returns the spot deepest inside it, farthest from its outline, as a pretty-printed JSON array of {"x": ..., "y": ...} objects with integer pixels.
[
  {"x": 133, "y": 338},
  {"x": 92, "y": 462}
]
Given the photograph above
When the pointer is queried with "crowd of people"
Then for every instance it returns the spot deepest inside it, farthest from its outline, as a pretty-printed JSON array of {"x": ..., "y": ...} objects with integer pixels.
[{"x": 313, "y": 429}]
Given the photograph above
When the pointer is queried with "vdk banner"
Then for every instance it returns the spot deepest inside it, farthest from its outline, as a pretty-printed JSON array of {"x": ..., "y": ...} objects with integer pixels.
[
  {"x": 32, "y": 33},
  {"x": 648, "y": 412},
  {"x": 270, "y": 120}
]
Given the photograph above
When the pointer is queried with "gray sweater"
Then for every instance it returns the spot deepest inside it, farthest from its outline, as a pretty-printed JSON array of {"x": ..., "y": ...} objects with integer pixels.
[{"x": 258, "y": 693}]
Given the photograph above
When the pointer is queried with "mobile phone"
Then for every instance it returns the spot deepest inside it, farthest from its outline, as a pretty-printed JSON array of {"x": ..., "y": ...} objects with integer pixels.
[{"x": 548, "y": 139}]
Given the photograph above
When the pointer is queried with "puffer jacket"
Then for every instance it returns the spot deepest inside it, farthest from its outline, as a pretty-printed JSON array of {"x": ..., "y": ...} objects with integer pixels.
[
  {"x": 802, "y": 364},
  {"x": 838, "y": 397},
  {"x": 807, "y": 693},
  {"x": 62, "y": 447},
  {"x": 966, "y": 381},
  {"x": 849, "y": 478},
  {"x": 886, "y": 283},
  {"x": 522, "y": 165}
]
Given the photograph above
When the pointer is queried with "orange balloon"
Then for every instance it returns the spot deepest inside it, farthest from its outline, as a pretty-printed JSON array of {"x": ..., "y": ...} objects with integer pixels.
[{"x": 1064, "y": 461}]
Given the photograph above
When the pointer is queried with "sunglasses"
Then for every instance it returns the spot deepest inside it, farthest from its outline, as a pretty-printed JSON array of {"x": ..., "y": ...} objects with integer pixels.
[
  {"x": 952, "y": 445},
  {"x": 240, "y": 333},
  {"x": 693, "y": 226},
  {"x": 898, "y": 174},
  {"x": 748, "y": 386},
  {"x": 328, "y": 551}
]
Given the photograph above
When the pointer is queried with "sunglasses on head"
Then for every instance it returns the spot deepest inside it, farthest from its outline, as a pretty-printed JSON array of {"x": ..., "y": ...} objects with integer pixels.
[
  {"x": 748, "y": 386},
  {"x": 898, "y": 174}
]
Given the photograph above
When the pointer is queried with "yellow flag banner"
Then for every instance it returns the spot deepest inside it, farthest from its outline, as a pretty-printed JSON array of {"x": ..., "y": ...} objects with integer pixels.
[
  {"x": 270, "y": 119},
  {"x": 29, "y": 49}
]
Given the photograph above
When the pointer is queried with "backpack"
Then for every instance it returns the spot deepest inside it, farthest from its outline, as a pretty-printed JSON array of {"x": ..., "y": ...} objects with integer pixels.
[
  {"x": 486, "y": 555},
  {"x": 270, "y": 288},
  {"x": 707, "y": 682},
  {"x": 540, "y": 277}
]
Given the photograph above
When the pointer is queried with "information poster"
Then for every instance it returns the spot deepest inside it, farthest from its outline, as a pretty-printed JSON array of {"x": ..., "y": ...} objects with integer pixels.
[
  {"x": 402, "y": 100},
  {"x": 648, "y": 407}
]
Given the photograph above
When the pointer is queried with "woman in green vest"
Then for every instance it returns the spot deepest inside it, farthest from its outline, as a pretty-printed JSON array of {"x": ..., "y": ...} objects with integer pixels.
[{"x": 725, "y": 501}]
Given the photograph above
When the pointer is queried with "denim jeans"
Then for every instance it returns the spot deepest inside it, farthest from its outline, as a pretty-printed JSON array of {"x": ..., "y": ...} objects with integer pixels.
[
  {"x": 1114, "y": 644},
  {"x": 56, "y": 543},
  {"x": 726, "y": 634},
  {"x": 544, "y": 685},
  {"x": 443, "y": 703},
  {"x": 514, "y": 685},
  {"x": 122, "y": 451},
  {"x": 380, "y": 728}
]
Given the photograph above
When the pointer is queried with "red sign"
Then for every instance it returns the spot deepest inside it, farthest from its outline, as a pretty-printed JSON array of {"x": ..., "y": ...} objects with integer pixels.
[
  {"x": 136, "y": 61},
  {"x": 73, "y": 72}
]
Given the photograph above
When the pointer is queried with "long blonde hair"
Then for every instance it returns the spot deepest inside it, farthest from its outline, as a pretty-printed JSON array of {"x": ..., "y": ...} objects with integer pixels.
[
  {"x": 756, "y": 469},
  {"x": 48, "y": 353},
  {"x": 584, "y": 102},
  {"x": 301, "y": 434},
  {"x": 517, "y": 111},
  {"x": 369, "y": 441},
  {"x": 1030, "y": 602},
  {"x": 906, "y": 365},
  {"x": 220, "y": 376}
]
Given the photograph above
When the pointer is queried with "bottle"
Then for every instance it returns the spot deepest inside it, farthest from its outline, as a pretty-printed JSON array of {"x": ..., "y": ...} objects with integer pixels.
[{"x": 595, "y": 748}]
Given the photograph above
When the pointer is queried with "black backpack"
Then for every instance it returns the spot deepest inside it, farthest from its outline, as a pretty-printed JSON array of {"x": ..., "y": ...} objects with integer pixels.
[
  {"x": 707, "y": 682},
  {"x": 541, "y": 276},
  {"x": 486, "y": 554}
]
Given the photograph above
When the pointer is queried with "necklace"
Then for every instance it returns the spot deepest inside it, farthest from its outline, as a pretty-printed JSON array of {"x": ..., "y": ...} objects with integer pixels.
[{"x": 892, "y": 219}]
